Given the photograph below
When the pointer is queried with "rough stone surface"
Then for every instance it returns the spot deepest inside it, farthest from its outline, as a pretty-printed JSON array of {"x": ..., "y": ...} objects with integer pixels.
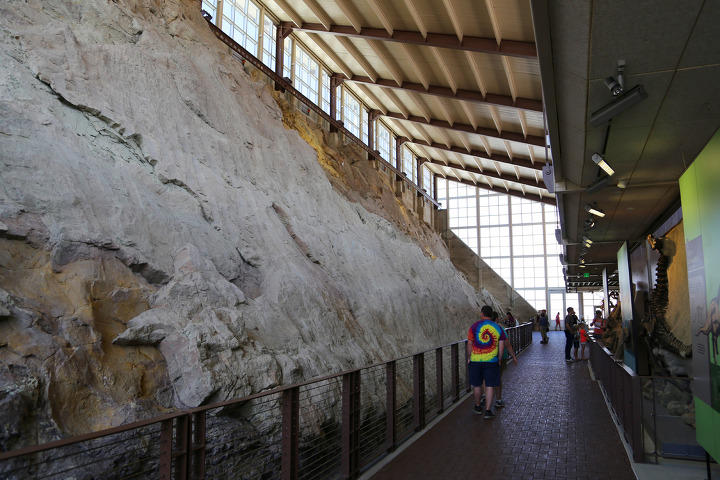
[{"x": 170, "y": 237}]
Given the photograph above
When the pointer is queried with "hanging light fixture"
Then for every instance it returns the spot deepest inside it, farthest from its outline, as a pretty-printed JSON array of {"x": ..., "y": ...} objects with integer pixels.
[
  {"x": 600, "y": 161},
  {"x": 594, "y": 210}
]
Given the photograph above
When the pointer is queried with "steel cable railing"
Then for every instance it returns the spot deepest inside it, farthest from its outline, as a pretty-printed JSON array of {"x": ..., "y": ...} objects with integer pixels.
[{"x": 330, "y": 427}]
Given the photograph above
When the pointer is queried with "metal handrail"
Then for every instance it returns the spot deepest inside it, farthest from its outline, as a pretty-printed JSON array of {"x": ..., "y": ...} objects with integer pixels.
[
  {"x": 334, "y": 426},
  {"x": 622, "y": 387}
]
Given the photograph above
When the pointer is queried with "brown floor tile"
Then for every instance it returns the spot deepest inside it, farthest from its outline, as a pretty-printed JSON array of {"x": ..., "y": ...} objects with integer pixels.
[{"x": 553, "y": 423}]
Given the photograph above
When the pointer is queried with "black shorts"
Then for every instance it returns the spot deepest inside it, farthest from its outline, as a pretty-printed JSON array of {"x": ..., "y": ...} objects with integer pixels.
[{"x": 487, "y": 371}]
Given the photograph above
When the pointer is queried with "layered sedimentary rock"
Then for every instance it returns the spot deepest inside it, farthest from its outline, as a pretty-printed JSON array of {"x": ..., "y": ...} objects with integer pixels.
[{"x": 166, "y": 242}]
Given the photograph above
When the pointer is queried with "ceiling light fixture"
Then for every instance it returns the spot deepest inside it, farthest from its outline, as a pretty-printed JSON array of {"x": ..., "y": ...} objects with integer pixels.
[
  {"x": 598, "y": 184},
  {"x": 600, "y": 160},
  {"x": 616, "y": 87},
  {"x": 593, "y": 210},
  {"x": 622, "y": 100},
  {"x": 587, "y": 240},
  {"x": 589, "y": 224},
  {"x": 619, "y": 105}
]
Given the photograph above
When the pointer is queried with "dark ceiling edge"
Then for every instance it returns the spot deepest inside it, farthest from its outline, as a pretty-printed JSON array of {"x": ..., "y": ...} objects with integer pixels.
[{"x": 541, "y": 25}]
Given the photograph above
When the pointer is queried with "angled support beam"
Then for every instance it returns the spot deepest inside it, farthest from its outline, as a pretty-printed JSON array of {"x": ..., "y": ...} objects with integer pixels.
[
  {"x": 283, "y": 30},
  {"x": 479, "y": 153},
  {"x": 418, "y": 171},
  {"x": 372, "y": 116},
  {"x": 491, "y": 174},
  {"x": 335, "y": 81},
  {"x": 512, "y": 193},
  {"x": 468, "y": 43},
  {"x": 446, "y": 92},
  {"x": 462, "y": 127},
  {"x": 399, "y": 141}
]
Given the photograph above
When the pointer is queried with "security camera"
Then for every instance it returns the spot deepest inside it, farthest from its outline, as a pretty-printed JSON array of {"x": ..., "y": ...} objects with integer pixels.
[{"x": 614, "y": 86}]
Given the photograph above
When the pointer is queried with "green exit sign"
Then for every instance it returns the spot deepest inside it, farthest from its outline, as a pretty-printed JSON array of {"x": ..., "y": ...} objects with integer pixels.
[{"x": 586, "y": 275}]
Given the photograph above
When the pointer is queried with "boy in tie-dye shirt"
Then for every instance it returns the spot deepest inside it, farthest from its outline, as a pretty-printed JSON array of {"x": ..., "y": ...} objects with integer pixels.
[{"x": 485, "y": 346}]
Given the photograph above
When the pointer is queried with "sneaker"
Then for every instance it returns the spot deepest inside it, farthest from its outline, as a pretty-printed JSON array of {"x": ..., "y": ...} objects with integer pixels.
[
  {"x": 478, "y": 410},
  {"x": 568, "y": 359},
  {"x": 499, "y": 403},
  {"x": 489, "y": 415}
]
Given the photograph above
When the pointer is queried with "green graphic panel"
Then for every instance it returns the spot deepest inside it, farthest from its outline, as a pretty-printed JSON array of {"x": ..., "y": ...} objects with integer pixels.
[{"x": 700, "y": 194}]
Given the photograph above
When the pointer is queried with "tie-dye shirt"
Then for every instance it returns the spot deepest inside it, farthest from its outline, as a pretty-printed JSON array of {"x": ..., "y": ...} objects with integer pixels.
[{"x": 485, "y": 337}]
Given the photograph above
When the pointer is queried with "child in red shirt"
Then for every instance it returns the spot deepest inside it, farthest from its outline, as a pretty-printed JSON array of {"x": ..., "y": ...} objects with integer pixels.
[{"x": 583, "y": 339}]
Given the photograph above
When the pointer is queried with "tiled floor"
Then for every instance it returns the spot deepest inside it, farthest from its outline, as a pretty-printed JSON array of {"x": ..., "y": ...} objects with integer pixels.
[{"x": 555, "y": 425}]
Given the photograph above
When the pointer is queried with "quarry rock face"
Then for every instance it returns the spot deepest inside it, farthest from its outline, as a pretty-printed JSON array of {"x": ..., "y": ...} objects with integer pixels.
[{"x": 166, "y": 241}]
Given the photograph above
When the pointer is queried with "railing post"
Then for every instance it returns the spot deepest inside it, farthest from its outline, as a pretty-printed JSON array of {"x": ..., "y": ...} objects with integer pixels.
[
  {"x": 197, "y": 456},
  {"x": 455, "y": 367},
  {"x": 419, "y": 390},
  {"x": 636, "y": 405},
  {"x": 391, "y": 405},
  {"x": 439, "y": 379},
  {"x": 166, "y": 450},
  {"x": 465, "y": 366},
  {"x": 351, "y": 425},
  {"x": 290, "y": 433}
]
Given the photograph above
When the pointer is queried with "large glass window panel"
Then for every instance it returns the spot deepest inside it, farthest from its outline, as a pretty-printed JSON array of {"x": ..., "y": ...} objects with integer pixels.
[
  {"x": 384, "y": 141},
  {"x": 269, "y": 36},
  {"x": 428, "y": 182},
  {"x": 408, "y": 163},
  {"x": 351, "y": 113},
  {"x": 493, "y": 209},
  {"x": 307, "y": 74},
  {"x": 591, "y": 301},
  {"x": 325, "y": 84},
  {"x": 468, "y": 236},
  {"x": 535, "y": 297},
  {"x": 287, "y": 57},
  {"x": 442, "y": 192},
  {"x": 241, "y": 21},
  {"x": 495, "y": 241}
]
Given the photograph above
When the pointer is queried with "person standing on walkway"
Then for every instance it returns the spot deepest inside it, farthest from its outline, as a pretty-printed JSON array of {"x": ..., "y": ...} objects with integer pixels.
[
  {"x": 485, "y": 347},
  {"x": 557, "y": 321},
  {"x": 599, "y": 323},
  {"x": 544, "y": 326},
  {"x": 510, "y": 320},
  {"x": 583, "y": 340},
  {"x": 570, "y": 321}
]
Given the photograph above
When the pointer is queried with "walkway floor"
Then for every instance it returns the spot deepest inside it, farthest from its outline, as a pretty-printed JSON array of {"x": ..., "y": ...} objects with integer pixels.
[{"x": 555, "y": 425}]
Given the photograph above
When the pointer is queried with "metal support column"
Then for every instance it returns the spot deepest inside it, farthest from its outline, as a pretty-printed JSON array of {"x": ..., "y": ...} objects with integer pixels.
[
  {"x": 391, "y": 405},
  {"x": 351, "y": 425},
  {"x": 290, "y": 433},
  {"x": 419, "y": 391}
]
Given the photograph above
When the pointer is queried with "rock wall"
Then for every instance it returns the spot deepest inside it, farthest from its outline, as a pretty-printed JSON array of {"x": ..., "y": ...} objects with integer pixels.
[{"x": 166, "y": 242}]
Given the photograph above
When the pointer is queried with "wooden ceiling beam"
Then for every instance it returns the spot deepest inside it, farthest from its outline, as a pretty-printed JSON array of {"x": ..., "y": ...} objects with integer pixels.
[
  {"x": 453, "y": 14},
  {"x": 319, "y": 13},
  {"x": 471, "y": 44},
  {"x": 330, "y": 53},
  {"x": 447, "y": 92},
  {"x": 491, "y": 174},
  {"x": 415, "y": 14},
  {"x": 462, "y": 127},
  {"x": 382, "y": 16},
  {"x": 519, "y": 162},
  {"x": 350, "y": 13},
  {"x": 512, "y": 193}
]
